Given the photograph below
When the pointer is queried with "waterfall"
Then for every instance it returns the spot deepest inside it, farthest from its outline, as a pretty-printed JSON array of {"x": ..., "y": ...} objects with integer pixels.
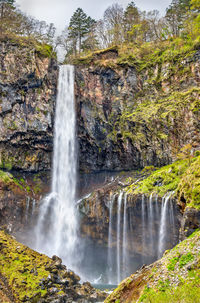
[
  {"x": 151, "y": 221},
  {"x": 148, "y": 223},
  {"x": 57, "y": 224},
  {"x": 33, "y": 207},
  {"x": 125, "y": 237},
  {"x": 27, "y": 209},
  {"x": 119, "y": 237},
  {"x": 163, "y": 225},
  {"x": 110, "y": 240},
  {"x": 143, "y": 225}
]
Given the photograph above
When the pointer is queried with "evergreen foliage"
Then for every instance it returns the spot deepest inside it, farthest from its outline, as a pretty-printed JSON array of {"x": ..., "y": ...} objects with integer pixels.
[{"x": 79, "y": 27}]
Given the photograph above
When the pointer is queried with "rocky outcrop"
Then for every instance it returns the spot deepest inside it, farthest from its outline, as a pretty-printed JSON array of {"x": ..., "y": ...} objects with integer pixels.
[
  {"x": 96, "y": 219},
  {"x": 102, "y": 93},
  {"x": 28, "y": 81},
  {"x": 130, "y": 117},
  {"x": 33, "y": 277},
  {"x": 19, "y": 200},
  {"x": 190, "y": 222},
  {"x": 13, "y": 199}
]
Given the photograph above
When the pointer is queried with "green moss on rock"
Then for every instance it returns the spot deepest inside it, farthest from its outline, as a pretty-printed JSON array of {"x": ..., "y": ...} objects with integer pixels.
[
  {"x": 182, "y": 178},
  {"x": 34, "y": 277},
  {"x": 23, "y": 268},
  {"x": 189, "y": 185}
]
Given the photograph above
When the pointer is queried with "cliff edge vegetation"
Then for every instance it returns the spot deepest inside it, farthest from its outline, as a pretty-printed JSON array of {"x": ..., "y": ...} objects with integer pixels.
[{"x": 180, "y": 178}]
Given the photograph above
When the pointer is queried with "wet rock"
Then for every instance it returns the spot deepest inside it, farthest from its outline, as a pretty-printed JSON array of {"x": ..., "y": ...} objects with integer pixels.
[
  {"x": 106, "y": 95},
  {"x": 190, "y": 222}
]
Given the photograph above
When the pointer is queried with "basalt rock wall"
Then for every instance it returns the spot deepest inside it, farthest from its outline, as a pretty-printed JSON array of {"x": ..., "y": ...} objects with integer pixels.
[
  {"x": 28, "y": 81},
  {"x": 130, "y": 118}
]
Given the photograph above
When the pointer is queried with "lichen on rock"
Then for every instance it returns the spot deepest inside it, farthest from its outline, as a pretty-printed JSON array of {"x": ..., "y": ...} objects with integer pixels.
[{"x": 33, "y": 277}]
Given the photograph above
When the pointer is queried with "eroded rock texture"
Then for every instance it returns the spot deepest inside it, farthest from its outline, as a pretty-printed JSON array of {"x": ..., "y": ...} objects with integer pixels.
[
  {"x": 28, "y": 83},
  {"x": 128, "y": 119}
]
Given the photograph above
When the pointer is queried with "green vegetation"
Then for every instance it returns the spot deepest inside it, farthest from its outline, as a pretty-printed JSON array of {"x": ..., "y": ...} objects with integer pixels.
[
  {"x": 23, "y": 268},
  {"x": 5, "y": 177},
  {"x": 172, "y": 263},
  {"x": 185, "y": 259},
  {"x": 189, "y": 186},
  {"x": 135, "y": 33},
  {"x": 172, "y": 279},
  {"x": 181, "y": 177},
  {"x": 187, "y": 292},
  {"x": 25, "y": 31}
]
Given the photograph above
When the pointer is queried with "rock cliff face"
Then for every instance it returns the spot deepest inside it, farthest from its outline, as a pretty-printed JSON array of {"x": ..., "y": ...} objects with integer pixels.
[
  {"x": 28, "y": 81},
  {"x": 130, "y": 118},
  {"x": 102, "y": 93},
  {"x": 127, "y": 118},
  {"x": 98, "y": 218}
]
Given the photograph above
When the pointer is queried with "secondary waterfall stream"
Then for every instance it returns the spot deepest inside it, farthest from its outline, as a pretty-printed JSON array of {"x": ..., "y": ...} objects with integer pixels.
[
  {"x": 56, "y": 231},
  {"x": 148, "y": 226}
]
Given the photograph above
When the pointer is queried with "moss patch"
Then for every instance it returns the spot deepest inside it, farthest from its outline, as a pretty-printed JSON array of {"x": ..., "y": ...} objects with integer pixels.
[
  {"x": 189, "y": 185},
  {"x": 182, "y": 177},
  {"x": 16, "y": 264}
]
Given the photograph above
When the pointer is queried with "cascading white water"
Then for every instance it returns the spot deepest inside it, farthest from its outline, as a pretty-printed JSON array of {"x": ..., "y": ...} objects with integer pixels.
[
  {"x": 151, "y": 221},
  {"x": 110, "y": 240},
  {"x": 163, "y": 227},
  {"x": 125, "y": 237},
  {"x": 143, "y": 224},
  {"x": 157, "y": 232},
  {"x": 119, "y": 237},
  {"x": 57, "y": 224}
]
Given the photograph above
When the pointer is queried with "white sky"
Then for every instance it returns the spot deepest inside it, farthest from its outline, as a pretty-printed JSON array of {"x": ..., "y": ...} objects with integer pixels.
[{"x": 60, "y": 11}]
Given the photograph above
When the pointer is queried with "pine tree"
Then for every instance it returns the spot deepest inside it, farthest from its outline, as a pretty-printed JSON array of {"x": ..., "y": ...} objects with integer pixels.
[
  {"x": 131, "y": 19},
  {"x": 80, "y": 25}
]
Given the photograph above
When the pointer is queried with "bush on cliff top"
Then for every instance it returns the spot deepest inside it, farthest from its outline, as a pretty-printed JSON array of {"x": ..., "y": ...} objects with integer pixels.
[
  {"x": 43, "y": 49},
  {"x": 144, "y": 55}
]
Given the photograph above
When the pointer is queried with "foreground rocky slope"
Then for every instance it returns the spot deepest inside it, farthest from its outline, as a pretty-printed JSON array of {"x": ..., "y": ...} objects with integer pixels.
[
  {"x": 28, "y": 81},
  {"x": 174, "y": 278},
  {"x": 27, "y": 276}
]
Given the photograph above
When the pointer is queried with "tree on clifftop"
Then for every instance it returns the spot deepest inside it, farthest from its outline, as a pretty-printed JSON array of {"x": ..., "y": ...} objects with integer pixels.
[
  {"x": 79, "y": 27},
  {"x": 3, "y": 5}
]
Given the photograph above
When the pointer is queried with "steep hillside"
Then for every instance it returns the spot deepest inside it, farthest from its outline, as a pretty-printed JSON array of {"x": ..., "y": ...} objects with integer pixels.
[
  {"x": 27, "y": 276},
  {"x": 174, "y": 278}
]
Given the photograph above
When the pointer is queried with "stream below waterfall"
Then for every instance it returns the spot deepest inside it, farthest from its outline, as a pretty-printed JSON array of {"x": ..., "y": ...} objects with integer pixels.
[{"x": 136, "y": 233}]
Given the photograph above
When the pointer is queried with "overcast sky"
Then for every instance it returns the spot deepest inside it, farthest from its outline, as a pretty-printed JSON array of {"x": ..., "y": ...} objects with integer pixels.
[{"x": 60, "y": 11}]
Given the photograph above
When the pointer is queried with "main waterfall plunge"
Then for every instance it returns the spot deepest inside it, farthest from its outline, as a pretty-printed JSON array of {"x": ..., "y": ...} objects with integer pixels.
[
  {"x": 137, "y": 233},
  {"x": 56, "y": 231}
]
